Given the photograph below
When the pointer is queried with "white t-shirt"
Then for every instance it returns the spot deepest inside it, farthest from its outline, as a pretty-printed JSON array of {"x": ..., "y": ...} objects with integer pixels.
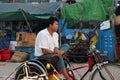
[{"x": 45, "y": 40}]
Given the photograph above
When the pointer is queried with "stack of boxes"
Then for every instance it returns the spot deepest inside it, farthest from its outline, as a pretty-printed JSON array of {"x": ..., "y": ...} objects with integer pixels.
[{"x": 25, "y": 39}]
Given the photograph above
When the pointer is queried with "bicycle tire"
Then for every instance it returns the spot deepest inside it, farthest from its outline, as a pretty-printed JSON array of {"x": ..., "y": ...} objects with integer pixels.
[
  {"x": 113, "y": 68},
  {"x": 34, "y": 69}
]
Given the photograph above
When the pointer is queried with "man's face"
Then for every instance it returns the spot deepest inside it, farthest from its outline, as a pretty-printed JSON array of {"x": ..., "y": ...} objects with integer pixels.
[{"x": 54, "y": 26}]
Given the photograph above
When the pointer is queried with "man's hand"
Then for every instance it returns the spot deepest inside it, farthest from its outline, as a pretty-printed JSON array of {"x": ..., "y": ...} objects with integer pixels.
[{"x": 60, "y": 52}]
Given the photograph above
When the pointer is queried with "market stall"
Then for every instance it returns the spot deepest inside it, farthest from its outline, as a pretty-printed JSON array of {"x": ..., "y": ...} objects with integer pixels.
[
  {"x": 23, "y": 22},
  {"x": 89, "y": 15}
]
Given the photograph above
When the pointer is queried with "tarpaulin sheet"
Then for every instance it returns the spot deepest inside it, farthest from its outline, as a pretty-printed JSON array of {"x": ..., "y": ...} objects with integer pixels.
[{"x": 87, "y": 10}]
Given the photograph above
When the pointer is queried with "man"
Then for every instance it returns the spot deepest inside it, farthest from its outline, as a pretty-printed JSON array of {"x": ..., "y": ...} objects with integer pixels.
[{"x": 46, "y": 45}]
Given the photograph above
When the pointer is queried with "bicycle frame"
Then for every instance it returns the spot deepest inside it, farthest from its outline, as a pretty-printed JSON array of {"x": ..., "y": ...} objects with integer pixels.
[
  {"x": 89, "y": 66},
  {"x": 93, "y": 59},
  {"x": 72, "y": 68}
]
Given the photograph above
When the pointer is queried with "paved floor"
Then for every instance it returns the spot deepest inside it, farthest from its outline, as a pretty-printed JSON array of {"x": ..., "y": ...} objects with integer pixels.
[{"x": 7, "y": 68}]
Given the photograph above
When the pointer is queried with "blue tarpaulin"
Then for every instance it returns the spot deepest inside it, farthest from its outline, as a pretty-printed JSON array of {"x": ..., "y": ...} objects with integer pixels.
[{"x": 41, "y": 9}]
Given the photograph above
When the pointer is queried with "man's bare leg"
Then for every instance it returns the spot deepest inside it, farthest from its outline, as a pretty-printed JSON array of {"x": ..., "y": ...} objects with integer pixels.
[{"x": 64, "y": 72}]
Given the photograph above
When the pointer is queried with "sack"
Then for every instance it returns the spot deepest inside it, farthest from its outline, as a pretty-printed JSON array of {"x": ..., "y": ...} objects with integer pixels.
[{"x": 19, "y": 56}]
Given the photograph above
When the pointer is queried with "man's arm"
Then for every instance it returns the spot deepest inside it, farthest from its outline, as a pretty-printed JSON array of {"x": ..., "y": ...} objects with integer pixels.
[
  {"x": 47, "y": 51},
  {"x": 56, "y": 51}
]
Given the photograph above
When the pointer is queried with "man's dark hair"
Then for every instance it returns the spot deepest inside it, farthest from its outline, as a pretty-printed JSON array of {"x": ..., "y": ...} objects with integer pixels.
[
  {"x": 71, "y": 1},
  {"x": 52, "y": 19},
  {"x": 117, "y": 11}
]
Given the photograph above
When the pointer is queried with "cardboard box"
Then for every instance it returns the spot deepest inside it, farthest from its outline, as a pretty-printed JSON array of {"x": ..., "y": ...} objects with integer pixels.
[
  {"x": 21, "y": 36},
  {"x": 28, "y": 41}
]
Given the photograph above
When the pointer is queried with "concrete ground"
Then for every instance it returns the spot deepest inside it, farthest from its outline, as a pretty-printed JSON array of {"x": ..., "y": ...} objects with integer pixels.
[{"x": 7, "y": 68}]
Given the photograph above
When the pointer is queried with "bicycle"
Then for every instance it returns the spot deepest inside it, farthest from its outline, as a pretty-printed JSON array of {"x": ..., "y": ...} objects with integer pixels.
[
  {"x": 99, "y": 69},
  {"x": 105, "y": 70}
]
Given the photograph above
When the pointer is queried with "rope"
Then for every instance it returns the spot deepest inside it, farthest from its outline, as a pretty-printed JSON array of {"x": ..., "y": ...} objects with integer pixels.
[{"x": 26, "y": 20}]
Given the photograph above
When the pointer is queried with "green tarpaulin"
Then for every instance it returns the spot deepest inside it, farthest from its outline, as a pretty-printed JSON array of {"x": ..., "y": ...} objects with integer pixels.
[
  {"x": 87, "y": 10},
  {"x": 16, "y": 15}
]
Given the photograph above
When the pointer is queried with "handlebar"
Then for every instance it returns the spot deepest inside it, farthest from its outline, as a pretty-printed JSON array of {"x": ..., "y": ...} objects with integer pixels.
[{"x": 93, "y": 51}]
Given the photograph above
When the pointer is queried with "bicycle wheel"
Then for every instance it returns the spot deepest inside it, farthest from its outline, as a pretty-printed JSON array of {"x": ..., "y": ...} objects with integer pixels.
[
  {"x": 33, "y": 70},
  {"x": 109, "y": 71}
]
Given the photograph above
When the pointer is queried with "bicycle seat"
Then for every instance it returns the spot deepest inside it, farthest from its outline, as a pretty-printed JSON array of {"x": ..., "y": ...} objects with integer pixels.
[{"x": 53, "y": 59}]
